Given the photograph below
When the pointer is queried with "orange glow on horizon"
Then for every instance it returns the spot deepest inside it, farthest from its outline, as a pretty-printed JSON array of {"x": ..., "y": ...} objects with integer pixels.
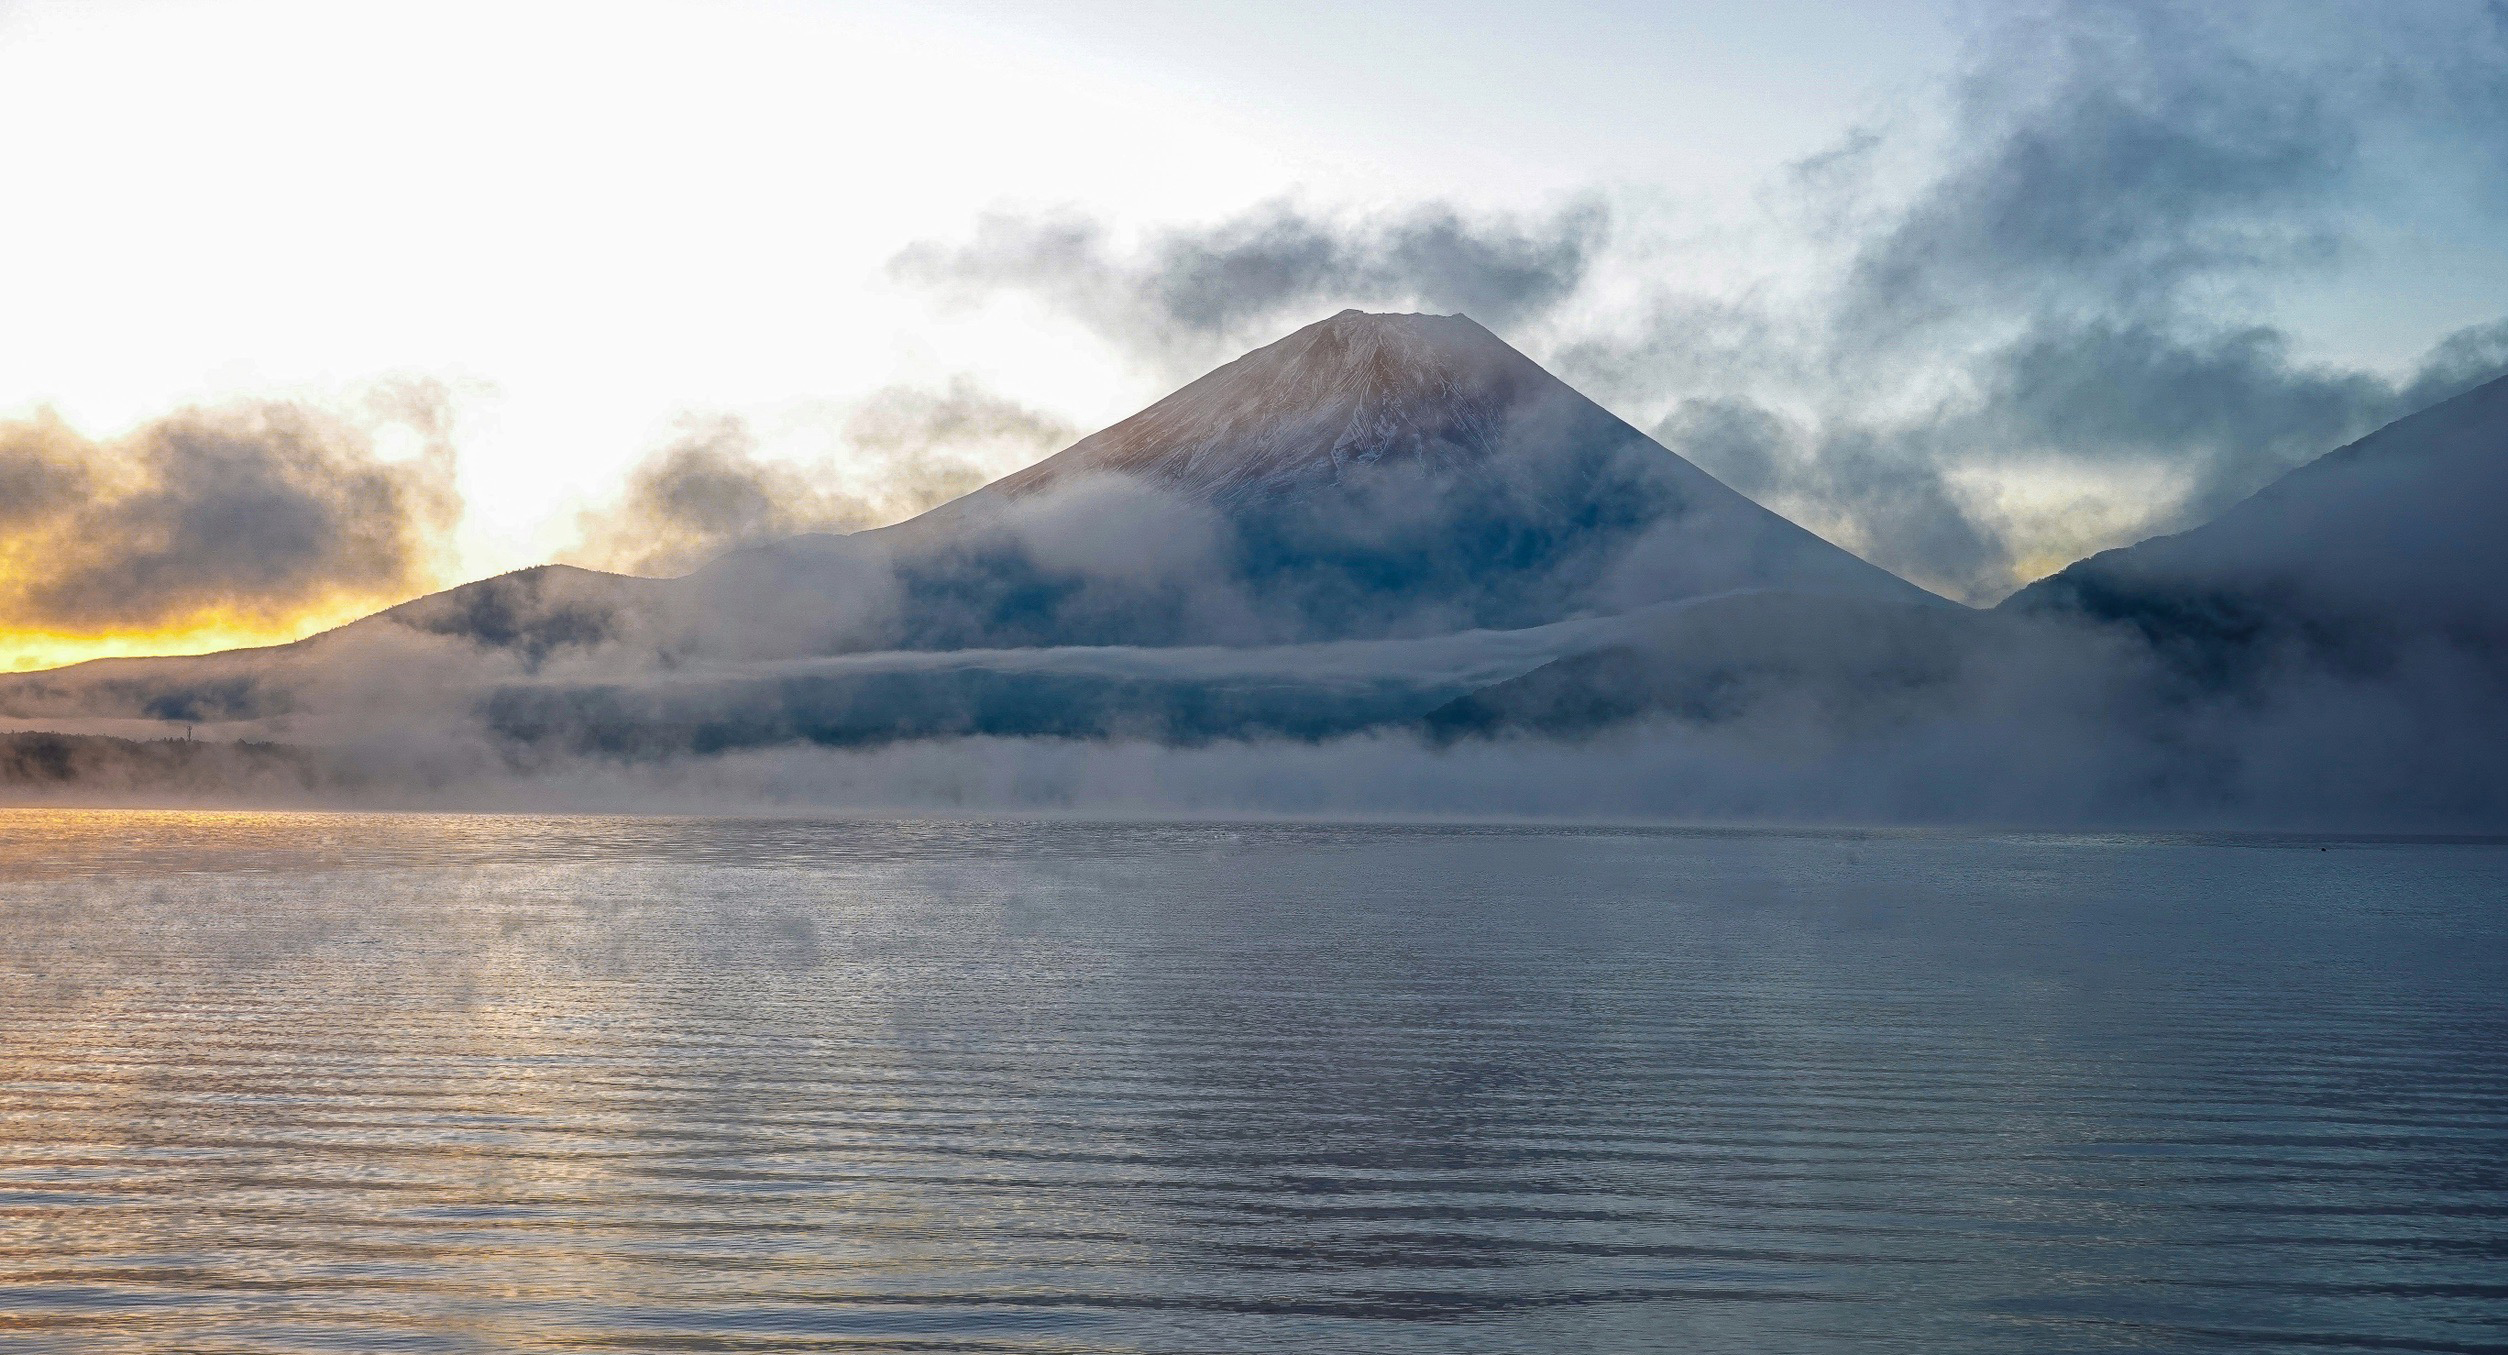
[{"x": 32, "y": 649}]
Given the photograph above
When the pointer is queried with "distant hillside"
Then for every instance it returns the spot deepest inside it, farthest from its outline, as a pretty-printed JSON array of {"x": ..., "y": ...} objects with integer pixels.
[
  {"x": 2395, "y": 540},
  {"x": 36, "y": 765}
]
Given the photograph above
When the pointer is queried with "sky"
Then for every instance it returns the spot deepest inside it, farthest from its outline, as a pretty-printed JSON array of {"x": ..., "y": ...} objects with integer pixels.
[{"x": 313, "y": 308}]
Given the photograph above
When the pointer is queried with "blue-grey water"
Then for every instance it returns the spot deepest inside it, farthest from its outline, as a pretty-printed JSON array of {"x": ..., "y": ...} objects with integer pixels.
[{"x": 285, "y": 1082}]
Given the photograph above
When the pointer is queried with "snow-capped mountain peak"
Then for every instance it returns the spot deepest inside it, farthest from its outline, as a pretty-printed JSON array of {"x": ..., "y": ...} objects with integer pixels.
[{"x": 1354, "y": 391}]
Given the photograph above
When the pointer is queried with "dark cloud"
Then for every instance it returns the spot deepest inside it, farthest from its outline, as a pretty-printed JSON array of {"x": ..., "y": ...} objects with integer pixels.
[
  {"x": 1902, "y": 510},
  {"x": 1180, "y": 294},
  {"x": 2444, "y": 69},
  {"x": 2061, "y": 299},
  {"x": 704, "y": 493},
  {"x": 2113, "y": 155},
  {"x": 250, "y": 515},
  {"x": 45, "y": 470},
  {"x": 906, "y": 449},
  {"x": 2216, "y": 415},
  {"x": 2228, "y": 411},
  {"x": 1741, "y": 443},
  {"x": 2236, "y": 394},
  {"x": 1882, "y": 496}
]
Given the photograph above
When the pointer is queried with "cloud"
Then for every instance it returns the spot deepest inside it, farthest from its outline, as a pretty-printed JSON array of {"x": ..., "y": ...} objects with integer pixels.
[
  {"x": 245, "y": 515},
  {"x": 2058, "y": 324},
  {"x": 1877, "y": 495},
  {"x": 2458, "y": 363},
  {"x": 2230, "y": 409},
  {"x": 2114, "y": 155},
  {"x": 1181, "y": 293},
  {"x": 2186, "y": 421},
  {"x": 904, "y": 450},
  {"x": 705, "y": 493},
  {"x": 2025, "y": 725}
]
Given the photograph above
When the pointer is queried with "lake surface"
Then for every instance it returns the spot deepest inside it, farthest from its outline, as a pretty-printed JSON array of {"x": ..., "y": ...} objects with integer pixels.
[{"x": 290, "y": 1082}]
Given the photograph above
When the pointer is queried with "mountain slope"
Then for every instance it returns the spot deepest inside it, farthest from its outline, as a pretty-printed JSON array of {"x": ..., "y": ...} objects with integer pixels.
[
  {"x": 519, "y": 619},
  {"x": 1368, "y": 477},
  {"x": 1355, "y": 392},
  {"x": 2394, "y": 539},
  {"x": 2374, "y": 576}
]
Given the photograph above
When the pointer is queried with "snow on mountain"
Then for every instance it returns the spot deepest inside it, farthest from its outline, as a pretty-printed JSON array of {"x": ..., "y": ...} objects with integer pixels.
[
  {"x": 1436, "y": 392},
  {"x": 1405, "y": 474}
]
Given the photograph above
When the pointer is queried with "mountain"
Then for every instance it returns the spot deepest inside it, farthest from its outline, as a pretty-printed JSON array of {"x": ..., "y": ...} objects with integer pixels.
[
  {"x": 1368, "y": 475},
  {"x": 519, "y": 619},
  {"x": 1400, "y": 524},
  {"x": 1358, "y": 393},
  {"x": 1353, "y": 495},
  {"x": 2332, "y": 649},
  {"x": 2388, "y": 545}
]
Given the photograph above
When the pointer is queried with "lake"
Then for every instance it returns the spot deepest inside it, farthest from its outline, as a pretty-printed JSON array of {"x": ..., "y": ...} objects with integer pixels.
[{"x": 447, "y": 1083}]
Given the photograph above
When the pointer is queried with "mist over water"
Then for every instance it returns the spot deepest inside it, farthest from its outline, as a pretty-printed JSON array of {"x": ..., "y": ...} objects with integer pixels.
[{"x": 308, "y": 1082}]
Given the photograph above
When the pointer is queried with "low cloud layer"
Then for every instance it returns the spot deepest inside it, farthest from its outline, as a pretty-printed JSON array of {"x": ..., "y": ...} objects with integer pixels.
[
  {"x": 905, "y": 449},
  {"x": 1181, "y": 295},
  {"x": 2063, "y": 729},
  {"x": 245, "y": 516},
  {"x": 1099, "y": 647}
]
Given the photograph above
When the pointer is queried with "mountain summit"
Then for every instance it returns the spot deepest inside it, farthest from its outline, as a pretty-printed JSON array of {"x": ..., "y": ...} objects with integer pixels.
[{"x": 1436, "y": 392}]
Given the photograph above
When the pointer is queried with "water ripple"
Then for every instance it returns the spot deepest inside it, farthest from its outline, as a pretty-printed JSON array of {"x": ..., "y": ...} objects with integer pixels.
[{"x": 441, "y": 1083}]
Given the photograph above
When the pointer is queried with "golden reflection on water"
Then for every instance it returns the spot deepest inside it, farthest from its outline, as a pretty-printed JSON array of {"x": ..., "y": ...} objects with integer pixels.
[{"x": 279, "y": 1069}]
